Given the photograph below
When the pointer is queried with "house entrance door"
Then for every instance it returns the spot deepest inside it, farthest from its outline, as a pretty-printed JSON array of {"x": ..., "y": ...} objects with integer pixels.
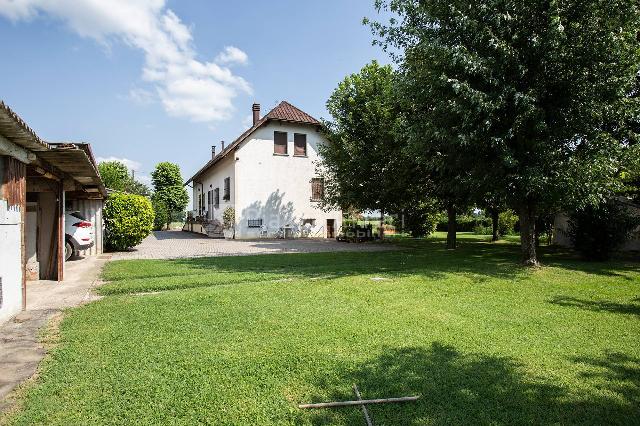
[{"x": 331, "y": 228}]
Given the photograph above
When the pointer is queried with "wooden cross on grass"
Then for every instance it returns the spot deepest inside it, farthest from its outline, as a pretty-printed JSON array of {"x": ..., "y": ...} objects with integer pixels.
[{"x": 361, "y": 402}]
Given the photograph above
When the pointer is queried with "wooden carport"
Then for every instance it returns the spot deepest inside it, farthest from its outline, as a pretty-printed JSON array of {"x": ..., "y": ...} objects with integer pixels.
[{"x": 35, "y": 177}]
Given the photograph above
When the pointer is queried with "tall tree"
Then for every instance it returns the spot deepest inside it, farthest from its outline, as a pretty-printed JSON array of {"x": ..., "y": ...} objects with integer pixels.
[
  {"x": 168, "y": 189},
  {"x": 115, "y": 175},
  {"x": 365, "y": 164},
  {"x": 537, "y": 90}
]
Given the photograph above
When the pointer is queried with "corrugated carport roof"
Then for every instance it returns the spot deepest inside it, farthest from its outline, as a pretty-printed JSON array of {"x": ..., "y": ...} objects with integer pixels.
[
  {"x": 76, "y": 160},
  {"x": 16, "y": 130}
]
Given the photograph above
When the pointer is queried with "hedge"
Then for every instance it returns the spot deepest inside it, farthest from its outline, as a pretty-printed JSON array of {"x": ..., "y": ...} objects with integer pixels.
[{"x": 128, "y": 220}]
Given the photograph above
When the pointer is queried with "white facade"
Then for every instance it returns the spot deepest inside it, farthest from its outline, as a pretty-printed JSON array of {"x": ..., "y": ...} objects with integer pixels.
[
  {"x": 10, "y": 261},
  {"x": 271, "y": 189}
]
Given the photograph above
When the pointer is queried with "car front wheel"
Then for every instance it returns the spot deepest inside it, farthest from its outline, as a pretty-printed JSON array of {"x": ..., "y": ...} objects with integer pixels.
[{"x": 68, "y": 250}]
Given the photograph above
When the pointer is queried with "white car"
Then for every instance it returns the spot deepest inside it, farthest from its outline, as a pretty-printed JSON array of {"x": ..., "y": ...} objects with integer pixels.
[{"x": 78, "y": 234}]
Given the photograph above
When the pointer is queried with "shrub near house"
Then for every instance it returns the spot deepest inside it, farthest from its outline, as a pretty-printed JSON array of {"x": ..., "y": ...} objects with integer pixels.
[{"x": 128, "y": 220}]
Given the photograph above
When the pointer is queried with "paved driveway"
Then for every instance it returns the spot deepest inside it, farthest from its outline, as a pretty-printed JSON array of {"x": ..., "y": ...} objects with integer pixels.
[{"x": 178, "y": 244}]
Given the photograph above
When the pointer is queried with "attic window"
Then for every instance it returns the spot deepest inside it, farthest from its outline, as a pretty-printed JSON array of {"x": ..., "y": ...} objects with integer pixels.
[
  {"x": 300, "y": 144},
  {"x": 280, "y": 143},
  {"x": 227, "y": 189}
]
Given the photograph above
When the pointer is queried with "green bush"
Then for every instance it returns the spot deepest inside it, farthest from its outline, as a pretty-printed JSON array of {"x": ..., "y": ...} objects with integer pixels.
[
  {"x": 128, "y": 220},
  {"x": 161, "y": 213},
  {"x": 482, "y": 230},
  {"x": 596, "y": 231},
  {"x": 507, "y": 222}
]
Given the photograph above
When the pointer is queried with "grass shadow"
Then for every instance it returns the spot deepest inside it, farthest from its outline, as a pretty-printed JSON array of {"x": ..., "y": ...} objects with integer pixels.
[
  {"x": 598, "y": 306},
  {"x": 457, "y": 388}
]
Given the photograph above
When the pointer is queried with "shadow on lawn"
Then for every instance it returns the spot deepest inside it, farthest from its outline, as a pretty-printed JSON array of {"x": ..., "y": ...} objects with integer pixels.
[
  {"x": 429, "y": 258},
  {"x": 598, "y": 306},
  {"x": 455, "y": 388}
]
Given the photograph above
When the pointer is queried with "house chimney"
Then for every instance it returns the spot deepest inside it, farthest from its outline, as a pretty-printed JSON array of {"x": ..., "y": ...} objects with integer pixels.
[
  {"x": 222, "y": 144},
  {"x": 213, "y": 151},
  {"x": 256, "y": 113}
]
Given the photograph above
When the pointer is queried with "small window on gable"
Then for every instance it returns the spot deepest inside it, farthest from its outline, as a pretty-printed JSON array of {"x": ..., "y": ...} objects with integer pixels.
[
  {"x": 227, "y": 189},
  {"x": 300, "y": 144},
  {"x": 280, "y": 143}
]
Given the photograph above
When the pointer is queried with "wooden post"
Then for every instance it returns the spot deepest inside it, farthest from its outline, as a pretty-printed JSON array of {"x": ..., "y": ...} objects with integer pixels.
[
  {"x": 365, "y": 413},
  {"x": 61, "y": 240}
]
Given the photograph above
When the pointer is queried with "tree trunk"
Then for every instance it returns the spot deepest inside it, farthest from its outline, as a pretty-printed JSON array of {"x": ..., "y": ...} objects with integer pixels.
[
  {"x": 381, "y": 224},
  {"x": 494, "y": 225},
  {"x": 527, "y": 235},
  {"x": 451, "y": 227}
]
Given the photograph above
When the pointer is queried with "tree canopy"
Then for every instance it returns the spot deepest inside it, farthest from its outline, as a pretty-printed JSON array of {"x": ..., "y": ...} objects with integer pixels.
[
  {"x": 169, "y": 191},
  {"x": 528, "y": 97},
  {"x": 365, "y": 164},
  {"x": 115, "y": 175}
]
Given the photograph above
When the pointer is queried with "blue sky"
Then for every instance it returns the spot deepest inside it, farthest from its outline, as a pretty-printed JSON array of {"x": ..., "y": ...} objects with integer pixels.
[{"x": 150, "y": 81}]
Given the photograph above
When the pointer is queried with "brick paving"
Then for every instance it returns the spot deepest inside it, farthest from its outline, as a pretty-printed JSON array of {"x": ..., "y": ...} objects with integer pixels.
[{"x": 180, "y": 244}]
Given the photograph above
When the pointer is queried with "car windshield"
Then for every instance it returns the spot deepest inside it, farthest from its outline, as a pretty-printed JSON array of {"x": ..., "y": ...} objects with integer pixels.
[{"x": 77, "y": 215}]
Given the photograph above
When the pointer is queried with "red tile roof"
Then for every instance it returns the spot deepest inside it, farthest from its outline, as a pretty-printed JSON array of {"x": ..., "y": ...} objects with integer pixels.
[
  {"x": 284, "y": 111},
  {"x": 287, "y": 112}
]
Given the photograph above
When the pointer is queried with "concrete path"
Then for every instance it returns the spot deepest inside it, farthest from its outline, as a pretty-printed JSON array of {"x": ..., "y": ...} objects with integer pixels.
[
  {"x": 179, "y": 244},
  {"x": 20, "y": 347}
]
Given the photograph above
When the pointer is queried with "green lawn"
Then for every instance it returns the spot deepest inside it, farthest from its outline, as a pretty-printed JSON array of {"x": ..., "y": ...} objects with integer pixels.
[{"x": 243, "y": 340}]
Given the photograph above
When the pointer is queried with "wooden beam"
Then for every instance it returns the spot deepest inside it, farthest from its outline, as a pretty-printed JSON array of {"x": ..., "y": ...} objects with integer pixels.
[
  {"x": 359, "y": 402},
  {"x": 41, "y": 184},
  {"x": 19, "y": 153}
]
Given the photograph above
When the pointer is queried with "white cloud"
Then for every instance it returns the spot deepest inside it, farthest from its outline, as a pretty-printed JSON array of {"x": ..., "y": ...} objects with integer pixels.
[
  {"x": 232, "y": 55},
  {"x": 187, "y": 87},
  {"x": 140, "y": 96},
  {"x": 131, "y": 164}
]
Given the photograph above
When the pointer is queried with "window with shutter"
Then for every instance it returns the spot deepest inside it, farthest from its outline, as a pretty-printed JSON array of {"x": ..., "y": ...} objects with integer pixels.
[
  {"x": 280, "y": 143},
  {"x": 300, "y": 144},
  {"x": 216, "y": 197},
  {"x": 317, "y": 189},
  {"x": 227, "y": 189}
]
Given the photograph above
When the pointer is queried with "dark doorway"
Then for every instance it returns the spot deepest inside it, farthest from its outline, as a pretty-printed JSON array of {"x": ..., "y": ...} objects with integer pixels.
[{"x": 331, "y": 228}]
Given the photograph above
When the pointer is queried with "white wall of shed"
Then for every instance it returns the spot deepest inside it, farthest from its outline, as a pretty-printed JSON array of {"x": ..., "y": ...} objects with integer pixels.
[{"x": 11, "y": 261}]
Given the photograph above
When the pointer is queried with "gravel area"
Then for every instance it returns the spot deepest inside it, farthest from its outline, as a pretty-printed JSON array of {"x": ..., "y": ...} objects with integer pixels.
[{"x": 180, "y": 244}]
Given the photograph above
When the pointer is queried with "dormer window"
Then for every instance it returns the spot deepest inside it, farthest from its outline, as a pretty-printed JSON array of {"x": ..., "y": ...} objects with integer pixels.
[
  {"x": 300, "y": 144},
  {"x": 280, "y": 143}
]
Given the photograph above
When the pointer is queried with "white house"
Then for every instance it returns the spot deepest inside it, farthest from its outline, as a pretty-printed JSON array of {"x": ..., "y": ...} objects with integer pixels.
[{"x": 268, "y": 175}]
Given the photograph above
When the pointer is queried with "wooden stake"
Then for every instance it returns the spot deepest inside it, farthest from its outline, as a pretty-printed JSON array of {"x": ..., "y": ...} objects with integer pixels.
[{"x": 364, "y": 407}]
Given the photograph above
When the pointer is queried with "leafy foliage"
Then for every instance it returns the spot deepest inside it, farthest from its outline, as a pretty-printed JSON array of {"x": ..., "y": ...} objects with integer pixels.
[
  {"x": 597, "y": 231},
  {"x": 364, "y": 165},
  {"x": 115, "y": 175},
  {"x": 229, "y": 218},
  {"x": 507, "y": 221},
  {"x": 169, "y": 190},
  {"x": 420, "y": 220},
  {"x": 161, "y": 214},
  {"x": 128, "y": 219},
  {"x": 528, "y": 96}
]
